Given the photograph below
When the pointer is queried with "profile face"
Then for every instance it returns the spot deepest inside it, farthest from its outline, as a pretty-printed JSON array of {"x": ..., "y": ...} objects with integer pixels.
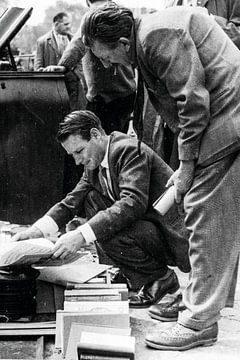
[
  {"x": 89, "y": 153},
  {"x": 63, "y": 27},
  {"x": 108, "y": 56}
]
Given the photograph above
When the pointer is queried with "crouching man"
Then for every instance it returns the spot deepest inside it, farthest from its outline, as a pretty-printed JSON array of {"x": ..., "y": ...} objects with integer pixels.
[{"x": 116, "y": 192}]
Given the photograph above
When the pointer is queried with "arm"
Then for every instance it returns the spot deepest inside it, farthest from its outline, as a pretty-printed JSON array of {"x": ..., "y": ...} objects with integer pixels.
[
  {"x": 179, "y": 68},
  {"x": 73, "y": 53},
  {"x": 181, "y": 74},
  {"x": 58, "y": 215}
]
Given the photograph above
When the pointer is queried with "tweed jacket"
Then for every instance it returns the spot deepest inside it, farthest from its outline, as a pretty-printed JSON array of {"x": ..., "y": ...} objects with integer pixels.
[
  {"x": 192, "y": 72},
  {"x": 227, "y": 15},
  {"x": 47, "y": 51},
  {"x": 137, "y": 181}
]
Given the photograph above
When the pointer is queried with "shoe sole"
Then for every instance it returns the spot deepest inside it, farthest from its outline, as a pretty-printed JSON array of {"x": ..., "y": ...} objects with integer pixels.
[
  {"x": 170, "y": 291},
  {"x": 208, "y": 342},
  {"x": 161, "y": 318}
]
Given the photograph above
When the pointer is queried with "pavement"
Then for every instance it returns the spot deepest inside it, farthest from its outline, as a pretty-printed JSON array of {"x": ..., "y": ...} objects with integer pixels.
[{"x": 226, "y": 348}]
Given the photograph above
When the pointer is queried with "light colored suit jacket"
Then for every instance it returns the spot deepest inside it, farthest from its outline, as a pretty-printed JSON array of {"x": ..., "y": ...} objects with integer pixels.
[
  {"x": 47, "y": 51},
  {"x": 137, "y": 181},
  {"x": 192, "y": 72}
]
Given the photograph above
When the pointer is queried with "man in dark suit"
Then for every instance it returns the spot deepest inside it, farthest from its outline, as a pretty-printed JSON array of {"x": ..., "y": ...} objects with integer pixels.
[{"x": 118, "y": 207}]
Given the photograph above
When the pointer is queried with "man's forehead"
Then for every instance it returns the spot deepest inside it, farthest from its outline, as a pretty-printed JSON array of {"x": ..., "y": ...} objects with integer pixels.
[
  {"x": 66, "y": 20},
  {"x": 74, "y": 141}
]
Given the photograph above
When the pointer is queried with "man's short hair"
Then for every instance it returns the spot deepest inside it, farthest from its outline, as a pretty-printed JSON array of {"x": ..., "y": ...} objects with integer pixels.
[
  {"x": 78, "y": 122},
  {"x": 59, "y": 17},
  {"x": 107, "y": 24}
]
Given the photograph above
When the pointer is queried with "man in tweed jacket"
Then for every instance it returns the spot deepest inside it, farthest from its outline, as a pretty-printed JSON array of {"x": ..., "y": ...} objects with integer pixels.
[{"x": 192, "y": 72}]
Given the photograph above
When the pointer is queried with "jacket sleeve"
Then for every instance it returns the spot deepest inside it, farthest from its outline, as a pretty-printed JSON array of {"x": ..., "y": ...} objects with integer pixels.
[
  {"x": 174, "y": 59},
  {"x": 72, "y": 204},
  {"x": 39, "y": 62},
  {"x": 73, "y": 53},
  {"x": 231, "y": 25},
  {"x": 132, "y": 177}
]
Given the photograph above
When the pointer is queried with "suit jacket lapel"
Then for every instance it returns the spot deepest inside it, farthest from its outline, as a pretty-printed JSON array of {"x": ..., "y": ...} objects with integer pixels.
[{"x": 52, "y": 42}]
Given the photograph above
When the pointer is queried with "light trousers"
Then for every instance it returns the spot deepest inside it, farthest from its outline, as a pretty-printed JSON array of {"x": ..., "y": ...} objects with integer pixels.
[{"x": 212, "y": 208}]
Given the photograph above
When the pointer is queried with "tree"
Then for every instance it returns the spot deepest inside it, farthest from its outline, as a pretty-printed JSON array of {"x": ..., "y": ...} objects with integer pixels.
[{"x": 76, "y": 11}]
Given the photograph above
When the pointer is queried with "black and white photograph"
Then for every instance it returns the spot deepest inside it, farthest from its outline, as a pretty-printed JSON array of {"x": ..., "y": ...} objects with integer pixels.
[{"x": 119, "y": 179}]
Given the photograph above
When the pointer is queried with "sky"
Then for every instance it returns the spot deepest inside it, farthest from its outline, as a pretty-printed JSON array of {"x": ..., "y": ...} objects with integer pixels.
[{"x": 39, "y": 6}]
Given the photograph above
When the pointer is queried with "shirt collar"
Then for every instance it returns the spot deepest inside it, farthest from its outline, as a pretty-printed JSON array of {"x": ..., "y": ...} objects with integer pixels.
[{"x": 104, "y": 162}]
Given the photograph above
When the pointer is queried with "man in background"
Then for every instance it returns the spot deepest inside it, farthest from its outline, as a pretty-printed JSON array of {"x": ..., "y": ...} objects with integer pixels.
[{"x": 50, "y": 48}]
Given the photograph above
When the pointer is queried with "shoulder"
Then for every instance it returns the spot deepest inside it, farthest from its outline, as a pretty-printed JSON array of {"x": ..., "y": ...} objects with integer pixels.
[
  {"x": 123, "y": 146},
  {"x": 45, "y": 37},
  {"x": 120, "y": 141}
]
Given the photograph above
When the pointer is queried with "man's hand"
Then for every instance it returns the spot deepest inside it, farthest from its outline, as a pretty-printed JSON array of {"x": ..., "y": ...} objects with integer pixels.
[
  {"x": 68, "y": 244},
  {"x": 54, "y": 68},
  {"x": 182, "y": 179},
  {"x": 31, "y": 233}
]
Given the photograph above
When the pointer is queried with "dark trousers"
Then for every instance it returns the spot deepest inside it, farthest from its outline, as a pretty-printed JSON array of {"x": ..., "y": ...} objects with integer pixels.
[
  {"x": 137, "y": 250},
  {"x": 115, "y": 115}
]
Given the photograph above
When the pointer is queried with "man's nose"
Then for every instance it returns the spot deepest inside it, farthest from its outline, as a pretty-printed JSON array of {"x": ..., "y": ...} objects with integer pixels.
[
  {"x": 77, "y": 160},
  {"x": 106, "y": 63}
]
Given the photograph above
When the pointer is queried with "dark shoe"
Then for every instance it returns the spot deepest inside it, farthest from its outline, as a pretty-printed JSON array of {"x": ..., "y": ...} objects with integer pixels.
[
  {"x": 180, "y": 337},
  {"x": 168, "y": 311},
  {"x": 152, "y": 293}
]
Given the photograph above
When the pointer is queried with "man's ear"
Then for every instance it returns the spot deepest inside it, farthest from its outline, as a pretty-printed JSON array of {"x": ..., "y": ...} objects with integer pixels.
[
  {"x": 95, "y": 133},
  {"x": 125, "y": 42}
]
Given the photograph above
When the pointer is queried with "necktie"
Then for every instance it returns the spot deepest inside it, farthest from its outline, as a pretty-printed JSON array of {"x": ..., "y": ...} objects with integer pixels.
[{"x": 138, "y": 110}]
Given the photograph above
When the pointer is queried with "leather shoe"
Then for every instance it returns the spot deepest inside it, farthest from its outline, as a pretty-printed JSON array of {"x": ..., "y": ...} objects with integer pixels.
[
  {"x": 180, "y": 337},
  {"x": 167, "y": 311},
  {"x": 155, "y": 291}
]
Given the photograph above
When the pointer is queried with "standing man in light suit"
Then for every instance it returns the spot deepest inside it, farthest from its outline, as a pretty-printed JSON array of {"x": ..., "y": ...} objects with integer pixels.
[
  {"x": 192, "y": 72},
  {"x": 50, "y": 48}
]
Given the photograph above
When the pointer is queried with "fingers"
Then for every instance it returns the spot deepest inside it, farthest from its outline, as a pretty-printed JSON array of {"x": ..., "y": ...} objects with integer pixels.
[
  {"x": 178, "y": 195},
  {"x": 61, "y": 251},
  {"x": 20, "y": 236}
]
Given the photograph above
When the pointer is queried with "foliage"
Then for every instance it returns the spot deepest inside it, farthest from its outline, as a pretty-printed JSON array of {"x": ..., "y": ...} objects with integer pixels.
[{"x": 76, "y": 12}]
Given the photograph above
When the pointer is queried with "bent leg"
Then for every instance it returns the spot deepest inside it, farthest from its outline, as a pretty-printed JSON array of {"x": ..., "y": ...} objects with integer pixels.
[{"x": 138, "y": 252}]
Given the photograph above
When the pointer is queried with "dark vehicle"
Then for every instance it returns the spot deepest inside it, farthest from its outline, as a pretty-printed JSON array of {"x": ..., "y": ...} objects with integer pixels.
[{"x": 31, "y": 106}]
